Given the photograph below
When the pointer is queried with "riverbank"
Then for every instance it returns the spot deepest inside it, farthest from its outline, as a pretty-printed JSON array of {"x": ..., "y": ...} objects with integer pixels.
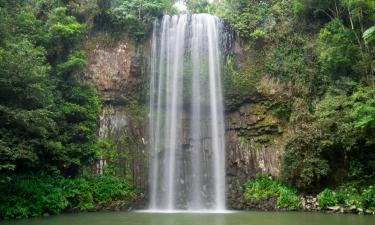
[
  {"x": 26, "y": 196},
  {"x": 265, "y": 194},
  {"x": 307, "y": 204},
  {"x": 35, "y": 195}
]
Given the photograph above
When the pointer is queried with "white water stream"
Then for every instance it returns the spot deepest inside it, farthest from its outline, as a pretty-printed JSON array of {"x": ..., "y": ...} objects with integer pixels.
[{"x": 187, "y": 160}]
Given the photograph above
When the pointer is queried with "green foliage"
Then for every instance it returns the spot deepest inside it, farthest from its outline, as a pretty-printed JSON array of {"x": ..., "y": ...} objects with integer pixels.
[
  {"x": 287, "y": 62},
  {"x": 48, "y": 121},
  {"x": 26, "y": 93},
  {"x": 76, "y": 62},
  {"x": 109, "y": 152},
  {"x": 78, "y": 193},
  {"x": 23, "y": 78},
  {"x": 103, "y": 4},
  {"x": 337, "y": 52},
  {"x": 363, "y": 112},
  {"x": 78, "y": 130},
  {"x": 315, "y": 48},
  {"x": 136, "y": 111},
  {"x": 108, "y": 188},
  {"x": 35, "y": 195},
  {"x": 138, "y": 15},
  {"x": 302, "y": 163},
  {"x": 248, "y": 16},
  {"x": 368, "y": 199},
  {"x": 63, "y": 28},
  {"x": 239, "y": 86},
  {"x": 369, "y": 34},
  {"x": 264, "y": 187},
  {"x": 258, "y": 34},
  {"x": 287, "y": 199},
  {"x": 200, "y": 6},
  {"x": 349, "y": 196},
  {"x": 28, "y": 196},
  {"x": 327, "y": 198},
  {"x": 347, "y": 122},
  {"x": 63, "y": 33}
]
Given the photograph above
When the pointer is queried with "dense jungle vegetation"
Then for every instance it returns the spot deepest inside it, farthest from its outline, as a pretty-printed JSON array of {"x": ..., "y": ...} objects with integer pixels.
[
  {"x": 317, "y": 55},
  {"x": 48, "y": 113}
]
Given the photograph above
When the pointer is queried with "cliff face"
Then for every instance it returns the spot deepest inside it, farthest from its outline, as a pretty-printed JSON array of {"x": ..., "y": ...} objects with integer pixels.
[
  {"x": 255, "y": 139},
  {"x": 257, "y": 126},
  {"x": 116, "y": 69},
  {"x": 255, "y": 136},
  {"x": 114, "y": 66}
]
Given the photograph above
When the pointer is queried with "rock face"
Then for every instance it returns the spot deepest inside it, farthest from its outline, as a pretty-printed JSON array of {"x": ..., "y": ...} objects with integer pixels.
[
  {"x": 255, "y": 137},
  {"x": 128, "y": 135},
  {"x": 116, "y": 69}
]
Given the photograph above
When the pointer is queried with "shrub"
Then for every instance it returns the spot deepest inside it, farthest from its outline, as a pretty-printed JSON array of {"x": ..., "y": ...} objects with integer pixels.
[
  {"x": 337, "y": 52},
  {"x": 31, "y": 195},
  {"x": 108, "y": 188},
  {"x": 368, "y": 199},
  {"x": 287, "y": 199},
  {"x": 28, "y": 196},
  {"x": 264, "y": 187},
  {"x": 327, "y": 198},
  {"x": 78, "y": 193}
]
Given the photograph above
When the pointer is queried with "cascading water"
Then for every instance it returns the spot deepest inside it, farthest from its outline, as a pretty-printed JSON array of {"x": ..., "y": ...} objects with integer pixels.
[{"x": 187, "y": 160}]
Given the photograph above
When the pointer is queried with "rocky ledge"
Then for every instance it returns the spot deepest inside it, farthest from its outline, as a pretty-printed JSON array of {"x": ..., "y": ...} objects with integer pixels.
[{"x": 308, "y": 203}]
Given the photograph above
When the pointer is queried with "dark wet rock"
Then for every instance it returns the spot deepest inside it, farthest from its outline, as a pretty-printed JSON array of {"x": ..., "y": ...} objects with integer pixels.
[
  {"x": 255, "y": 139},
  {"x": 309, "y": 203},
  {"x": 334, "y": 208},
  {"x": 71, "y": 210},
  {"x": 266, "y": 204},
  {"x": 94, "y": 209}
]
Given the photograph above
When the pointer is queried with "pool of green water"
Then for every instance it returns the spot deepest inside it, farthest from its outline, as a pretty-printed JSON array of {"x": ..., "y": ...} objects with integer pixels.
[{"x": 235, "y": 218}]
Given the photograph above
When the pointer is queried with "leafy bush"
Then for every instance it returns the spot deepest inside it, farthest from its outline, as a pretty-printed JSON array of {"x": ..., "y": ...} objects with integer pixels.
[
  {"x": 264, "y": 187},
  {"x": 76, "y": 62},
  {"x": 244, "y": 17},
  {"x": 108, "y": 188},
  {"x": 48, "y": 122},
  {"x": 349, "y": 196},
  {"x": 78, "y": 193},
  {"x": 258, "y": 34},
  {"x": 337, "y": 52},
  {"x": 28, "y": 196},
  {"x": 138, "y": 15},
  {"x": 368, "y": 199},
  {"x": 35, "y": 195},
  {"x": 327, "y": 198},
  {"x": 238, "y": 86},
  {"x": 287, "y": 199}
]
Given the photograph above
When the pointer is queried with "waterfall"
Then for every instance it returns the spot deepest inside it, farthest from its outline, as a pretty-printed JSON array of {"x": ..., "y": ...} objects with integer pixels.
[{"x": 187, "y": 148}]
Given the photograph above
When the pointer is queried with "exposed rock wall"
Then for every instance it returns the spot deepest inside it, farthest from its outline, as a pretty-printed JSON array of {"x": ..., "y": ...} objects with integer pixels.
[
  {"x": 255, "y": 139},
  {"x": 255, "y": 136},
  {"x": 128, "y": 136},
  {"x": 116, "y": 68},
  {"x": 257, "y": 128}
]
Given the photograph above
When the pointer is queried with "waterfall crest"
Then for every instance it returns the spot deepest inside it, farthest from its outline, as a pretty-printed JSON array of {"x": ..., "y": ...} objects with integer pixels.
[{"x": 187, "y": 147}]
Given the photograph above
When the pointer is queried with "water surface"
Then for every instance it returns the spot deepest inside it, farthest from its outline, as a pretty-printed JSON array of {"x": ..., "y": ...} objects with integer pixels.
[{"x": 236, "y": 218}]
